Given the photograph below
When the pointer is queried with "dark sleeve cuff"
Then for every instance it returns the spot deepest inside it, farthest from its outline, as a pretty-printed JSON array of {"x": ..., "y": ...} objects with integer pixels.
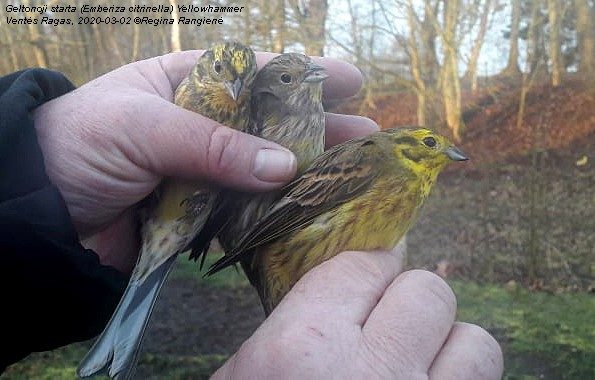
[{"x": 53, "y": 291}]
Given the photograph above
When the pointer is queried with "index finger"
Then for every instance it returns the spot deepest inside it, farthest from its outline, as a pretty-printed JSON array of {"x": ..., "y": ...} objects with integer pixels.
[
  {"x": 345, "y": 79},
  {"x": 417, "y": 310},
  {"x": 347, "y": 286}
]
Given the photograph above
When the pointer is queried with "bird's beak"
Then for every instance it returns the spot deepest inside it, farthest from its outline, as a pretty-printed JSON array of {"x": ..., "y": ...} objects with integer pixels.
[
  {"x": 455, "y": 154},
  {"x": 234, "y": 88},
  {"x": 315, "y": 73}
]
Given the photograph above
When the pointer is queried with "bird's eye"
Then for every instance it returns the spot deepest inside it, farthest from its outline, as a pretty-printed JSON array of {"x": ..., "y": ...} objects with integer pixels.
[
  {"x": 286, "y": 78},
  {"x": 429, "y": 142},
  {"x": 217, "y": 67}
]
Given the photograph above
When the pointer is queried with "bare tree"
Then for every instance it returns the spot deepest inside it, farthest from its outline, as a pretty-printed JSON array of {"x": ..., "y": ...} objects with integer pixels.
[
  {"x": 416, "y": 63},
  {"x": 135, "y": 42},
  {"x": 536, "y": 50},
  {"x": 586, "y": 36},
  {"x": 512, "y": 67},
  {"x": 85, "y": 32},
  {"x": 7, "y": 43},
  {"x": 357, "y": 40},
  {"x": 471, "y": 72},
  {"x": 531, "y": 252},
  {"x": 278, "y": 26},
  {"x": 450, "y": 82},
  {"x": 311, "y": 19},
  {"x": 554, "y": 16},
  {"x": 356, "y": 34},
  {"x": 428, "y": 36},
  {"x": 176, "y": 42},
  {"x": 36, "y": 39},
  {"x": 110, "y": 33}
]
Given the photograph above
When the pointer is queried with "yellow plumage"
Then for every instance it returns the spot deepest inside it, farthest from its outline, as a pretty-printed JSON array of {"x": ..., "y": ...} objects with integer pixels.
[{"x": 360, "y": 195}]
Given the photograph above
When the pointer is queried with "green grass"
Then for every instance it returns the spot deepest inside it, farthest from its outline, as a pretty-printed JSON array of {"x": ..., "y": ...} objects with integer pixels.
[
  {"x": 57, "y": 364},
  {"x": 175, "y": 367},
  {"x": 61, "y": 364},
  {"x": 544, "y": 336}
]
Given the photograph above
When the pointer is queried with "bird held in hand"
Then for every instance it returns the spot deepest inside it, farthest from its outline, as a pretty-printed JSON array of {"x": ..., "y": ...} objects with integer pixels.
[
  {"x": 218, "y": 87},
  {"x": 286, "y": 109},
  {"x": 363, "y": 194}
]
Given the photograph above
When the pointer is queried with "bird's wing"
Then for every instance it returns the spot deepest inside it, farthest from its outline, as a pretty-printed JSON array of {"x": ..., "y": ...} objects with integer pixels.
[
  {"x": 215, "y": 222},
  {"x": 267, "y": 113},
  {"x": 337, "y": 176}
]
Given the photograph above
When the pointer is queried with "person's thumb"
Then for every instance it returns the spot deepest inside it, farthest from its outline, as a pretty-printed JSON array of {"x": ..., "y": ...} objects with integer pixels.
[{"x": 178, "y": 143}]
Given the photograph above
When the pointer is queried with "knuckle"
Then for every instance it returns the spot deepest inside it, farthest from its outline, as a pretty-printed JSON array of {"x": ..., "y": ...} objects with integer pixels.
[
  {"x": 222, "y": 150},
  {"x": 358, "y": 273},
  {"x": 367, "y": 274},
  {"x": 387, "y": 363},
  {"x": 487, "y": 345},
  {"x": 347, "y": 263},
  {"x": 435, "y": 288},
  {"x": 362, "y": 263}
]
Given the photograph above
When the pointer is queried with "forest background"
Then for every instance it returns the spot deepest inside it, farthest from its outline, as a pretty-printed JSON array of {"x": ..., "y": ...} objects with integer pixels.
[{"x": 513, "y": 231}]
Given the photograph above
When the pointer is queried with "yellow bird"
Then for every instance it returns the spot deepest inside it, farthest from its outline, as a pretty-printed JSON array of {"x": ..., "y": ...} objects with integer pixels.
[
  {"x": 218, "y": 87},
  {"x": 363, "y": 194}
]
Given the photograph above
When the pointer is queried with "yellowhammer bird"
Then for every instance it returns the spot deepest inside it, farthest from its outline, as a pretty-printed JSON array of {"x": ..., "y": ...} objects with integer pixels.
[
  {"x": 360, "y": 195},
  {"x": 218, "y": 87},
  {"x": 286, "y": 109}
]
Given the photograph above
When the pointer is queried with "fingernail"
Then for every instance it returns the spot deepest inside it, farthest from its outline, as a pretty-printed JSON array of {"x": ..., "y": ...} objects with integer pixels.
[{"x": 272, "y": 165}]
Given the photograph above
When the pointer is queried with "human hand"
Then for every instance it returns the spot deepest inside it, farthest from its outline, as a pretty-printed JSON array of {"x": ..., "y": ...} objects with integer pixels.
[
  {"x": 355, "y": 317},
  {"x": 107, "y": 144}
]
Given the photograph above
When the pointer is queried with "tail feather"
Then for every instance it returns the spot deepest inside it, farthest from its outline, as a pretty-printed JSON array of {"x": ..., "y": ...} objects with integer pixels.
[
  {"x": 100, "y": 355},
  {"x": 116, "y": 350},
  {"x": 134, "y": 323}
]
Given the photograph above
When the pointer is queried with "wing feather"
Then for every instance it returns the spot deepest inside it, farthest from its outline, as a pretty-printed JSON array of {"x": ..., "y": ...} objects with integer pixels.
[{"x": 337, "y": 176}]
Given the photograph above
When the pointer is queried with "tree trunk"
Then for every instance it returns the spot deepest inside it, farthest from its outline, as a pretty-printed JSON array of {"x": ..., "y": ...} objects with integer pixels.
[
  {"x": 247, "y": 27},
  {"x": 36, "y": 40},
  {"x": 356, "y": 36},
  {"x": 114, "y": 45},
  {"x": 278, "y": 26},
  {"x": 317, "y": 27},
  {"x": 451, "y": 86},
  {"x": 554, "y": 16},
  {"x": 311, "y": 18},
  {"x": 430, "y": 67},
  {"x": 536, "y": 50},
  {"x": 8, "y": 44},
  {"x": 586, "y": 37},
  {"x": 86, "y": 33},
  {"x": 135, "y": 42},
  {"x": 99, "y": 49},
  {"x": 416, "y": 64},
  {"x": 428, "y": 41},
  {"x": 477, "y": 44},
  {"x": 512, "y": 67},
  {"x": 176, "y": 42},
  {"x": 135, "y": 53}
]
